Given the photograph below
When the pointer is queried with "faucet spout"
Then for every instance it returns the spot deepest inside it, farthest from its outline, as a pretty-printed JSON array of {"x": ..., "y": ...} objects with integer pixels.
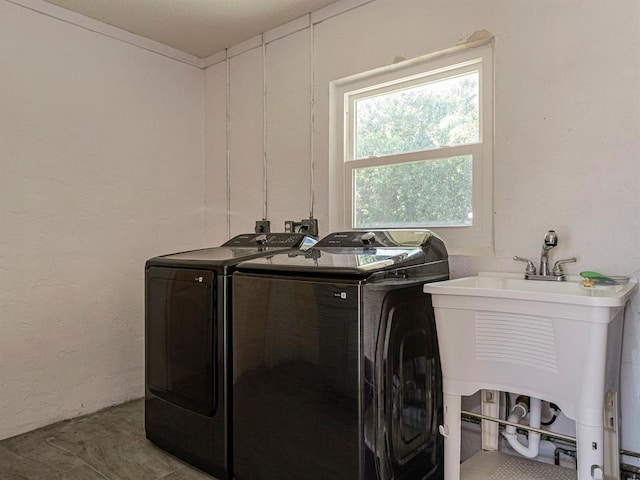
[
  {"x": 550, "y": 241},
  {"x": 545, "y": 273}
]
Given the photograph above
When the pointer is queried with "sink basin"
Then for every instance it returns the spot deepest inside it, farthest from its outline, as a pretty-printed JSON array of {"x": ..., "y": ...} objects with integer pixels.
[
  {"x": 514, "y": 286},
  {"x": 557, "y": 341},
  {"x": 529, "y": 336}
]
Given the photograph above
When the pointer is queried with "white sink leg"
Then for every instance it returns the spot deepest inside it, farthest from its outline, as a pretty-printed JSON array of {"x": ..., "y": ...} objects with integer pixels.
[
  {"x": 611, "y": 438},
  {"x": 590, "y": 451},
  {"x": 452, "y": 437}
]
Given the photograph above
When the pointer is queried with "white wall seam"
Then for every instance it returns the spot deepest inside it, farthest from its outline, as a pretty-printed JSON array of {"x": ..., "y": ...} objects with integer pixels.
[
  {"x": 228, "y": 139},
  {"x": 312, "y": 91},
  {"x": 205, "y": 151},
  {"x": 264, "y": 129},
  {"x": 273, "y": 35}
]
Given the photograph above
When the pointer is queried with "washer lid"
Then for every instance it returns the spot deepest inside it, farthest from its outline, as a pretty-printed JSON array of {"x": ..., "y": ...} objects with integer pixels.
[
  {"x": 346, "y": 262},
  {"x": 239, "y": 248},
  {"x": 360, "y": 254}
]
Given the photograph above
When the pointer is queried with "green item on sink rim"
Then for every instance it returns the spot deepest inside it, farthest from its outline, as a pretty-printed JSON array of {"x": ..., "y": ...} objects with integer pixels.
[{"x": 599, "y": 278}]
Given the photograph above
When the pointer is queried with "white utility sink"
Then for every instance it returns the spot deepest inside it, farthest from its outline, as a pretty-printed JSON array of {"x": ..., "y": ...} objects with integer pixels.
[
  {"x": 557, "y": 341},
  {"x": 511, "y": 285}
]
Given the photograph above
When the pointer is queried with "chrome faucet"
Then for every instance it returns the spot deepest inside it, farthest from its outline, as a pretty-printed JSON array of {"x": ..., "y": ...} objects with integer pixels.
[{"x": 550, "y": 241}]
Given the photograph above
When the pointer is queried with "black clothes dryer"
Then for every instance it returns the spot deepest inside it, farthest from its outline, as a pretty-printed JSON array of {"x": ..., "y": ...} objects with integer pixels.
[
  {"x": 187, "y": 315},
  {"x": 336, "y": 371}
]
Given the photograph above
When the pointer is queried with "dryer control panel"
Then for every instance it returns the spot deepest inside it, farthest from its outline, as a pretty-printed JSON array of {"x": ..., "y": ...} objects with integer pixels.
[{"x": 291, "y": 240}]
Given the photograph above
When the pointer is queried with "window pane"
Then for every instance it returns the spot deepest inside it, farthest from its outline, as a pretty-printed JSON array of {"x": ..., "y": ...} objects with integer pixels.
[
  {"x": 432, "y": 193},
  {"x": 434, "y": 115}
]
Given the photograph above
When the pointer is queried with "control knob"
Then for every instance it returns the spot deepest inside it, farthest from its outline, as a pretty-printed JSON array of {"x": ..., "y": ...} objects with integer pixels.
[
  {"x": 368, "y": 238},
  {"x": 261, "y": 239}
]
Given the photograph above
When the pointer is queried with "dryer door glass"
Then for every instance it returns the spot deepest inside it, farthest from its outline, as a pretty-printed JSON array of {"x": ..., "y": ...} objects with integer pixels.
[
  {"x": 412, "y": 388},
  {"x": 180, "y": 337}
]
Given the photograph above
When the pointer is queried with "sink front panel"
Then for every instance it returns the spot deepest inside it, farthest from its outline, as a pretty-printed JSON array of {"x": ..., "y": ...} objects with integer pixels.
[{"x": 569, "y": 355}]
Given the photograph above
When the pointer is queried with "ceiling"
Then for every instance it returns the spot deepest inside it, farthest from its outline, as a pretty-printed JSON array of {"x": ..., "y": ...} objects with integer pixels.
[{"x": 198, "y": 27}]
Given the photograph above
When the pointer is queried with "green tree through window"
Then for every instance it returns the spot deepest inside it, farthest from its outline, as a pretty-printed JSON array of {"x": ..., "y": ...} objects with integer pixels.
[
  {"x": 435, "y": 115},
  {"x": 434, "y": 192}
]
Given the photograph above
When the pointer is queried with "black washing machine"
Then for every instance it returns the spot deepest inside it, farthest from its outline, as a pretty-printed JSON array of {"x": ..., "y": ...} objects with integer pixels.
[
  {"x": 336, "y": 371},
  {"x": 187, "y": 315}
]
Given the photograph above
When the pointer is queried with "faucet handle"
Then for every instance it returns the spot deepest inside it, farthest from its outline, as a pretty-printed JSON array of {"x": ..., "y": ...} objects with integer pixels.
[
  {"x": 557, "y": 267},
  {"x": 531, "y": 268}
]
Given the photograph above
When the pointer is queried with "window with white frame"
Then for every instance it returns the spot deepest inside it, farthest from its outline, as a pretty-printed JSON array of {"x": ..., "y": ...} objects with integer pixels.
[{"x": 414, "y": 148}]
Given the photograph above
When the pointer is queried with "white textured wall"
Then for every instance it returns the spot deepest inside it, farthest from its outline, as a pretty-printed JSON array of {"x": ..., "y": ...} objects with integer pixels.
[
  {"x": 288, "y": 110},
  {"x": 246, "y": 146},
  {"x": 567, "y": 126},
  {"x": 101, "y": 167},
  {"x": 101, "y": 161}
]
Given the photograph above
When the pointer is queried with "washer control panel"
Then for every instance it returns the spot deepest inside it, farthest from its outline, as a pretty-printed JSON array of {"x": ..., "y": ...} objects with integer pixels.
[
  {"x": 267, "y": 240},
  {"x": 376, "y": 238}
]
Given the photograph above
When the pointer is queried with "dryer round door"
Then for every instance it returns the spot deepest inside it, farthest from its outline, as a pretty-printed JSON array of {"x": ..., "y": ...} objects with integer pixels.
[{"x": 410, "y": 403}]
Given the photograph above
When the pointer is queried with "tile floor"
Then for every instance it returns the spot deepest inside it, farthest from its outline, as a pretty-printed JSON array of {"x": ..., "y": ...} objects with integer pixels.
[{"x": 107, "y": 445}]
